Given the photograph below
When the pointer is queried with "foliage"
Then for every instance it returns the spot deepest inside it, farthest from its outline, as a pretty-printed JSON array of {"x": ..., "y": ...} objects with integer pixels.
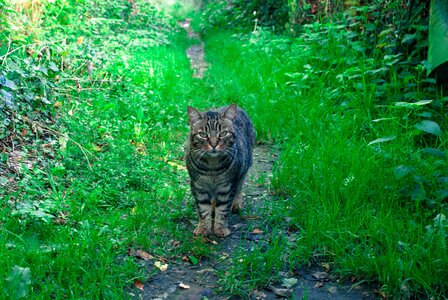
[
  {"x": 93, "y": 98},
  {"x": 363, "y": 151}
]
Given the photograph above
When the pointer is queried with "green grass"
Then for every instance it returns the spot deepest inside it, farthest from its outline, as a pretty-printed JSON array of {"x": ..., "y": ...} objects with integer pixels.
[
  {"x": 367, "y": 210},
  {"x": 353, "y": 205}
]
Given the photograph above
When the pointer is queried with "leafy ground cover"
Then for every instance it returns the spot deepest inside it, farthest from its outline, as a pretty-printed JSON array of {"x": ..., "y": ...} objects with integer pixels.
[{"x": 92, "y": 176}]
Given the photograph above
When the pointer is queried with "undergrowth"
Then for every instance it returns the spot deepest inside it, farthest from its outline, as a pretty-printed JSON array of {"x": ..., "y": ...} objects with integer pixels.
[
  {"x": 363, "y": 160},
  {"x": 93, "y": 101}
]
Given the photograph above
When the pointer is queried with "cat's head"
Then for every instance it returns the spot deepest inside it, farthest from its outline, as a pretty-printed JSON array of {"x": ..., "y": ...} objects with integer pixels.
[{"x": 212, "y": 131}]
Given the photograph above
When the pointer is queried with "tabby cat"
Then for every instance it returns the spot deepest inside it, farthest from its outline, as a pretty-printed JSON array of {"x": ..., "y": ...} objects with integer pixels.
[{"x": 218, "y": 156}]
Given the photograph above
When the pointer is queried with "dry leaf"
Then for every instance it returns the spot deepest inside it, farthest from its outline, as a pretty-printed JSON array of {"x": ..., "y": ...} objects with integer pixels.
[
  {"x": 257, "y": 231},
  {"x": 143, "y": 255},
  {"x": 289, "y": 282},
  {"x": 138, "y": 284},
  {"x": 97, "y": 148},
  {"x": 285, "y": 293},
  {"x": 207, "y": 240},
  {"x": 159, "y": 265},
  {"x": 59, "y": 221},
  {"x": 319, "y": 284},
  {"x": 320, "y": 275},
  {"x": 57, "y": 104},
  {"x": 326, "y": 266},
  {"x": 80, "y": 40},
  {"x": 70, "y": 112},
  {"x": 184, "y": 286}
]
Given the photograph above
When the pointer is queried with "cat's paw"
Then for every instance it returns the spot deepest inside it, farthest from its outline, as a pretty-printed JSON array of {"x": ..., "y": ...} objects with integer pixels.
[
  {"x": 222, "y": 231},
  {"x": 202, "y": 230},
  {"x": 237, "y": 204}
]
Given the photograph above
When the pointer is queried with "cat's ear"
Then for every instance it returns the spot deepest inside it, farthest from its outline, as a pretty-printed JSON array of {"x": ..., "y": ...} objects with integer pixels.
[
  {"x": 230, "y": 112},
  {"x": 194, "y": 115}
]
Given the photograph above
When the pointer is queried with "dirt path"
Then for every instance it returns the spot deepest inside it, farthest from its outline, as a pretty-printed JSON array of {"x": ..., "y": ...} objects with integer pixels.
[
  {"x": 312, "y": 283},
  {"x": 196, "y": 52},
  {"x": 183, "y": 280}
]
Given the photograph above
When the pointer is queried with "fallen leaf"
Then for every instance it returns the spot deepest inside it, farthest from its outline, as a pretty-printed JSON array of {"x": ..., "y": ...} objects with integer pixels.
[
  {"x": 289, "y": 282},
  {"x": 184, "y": 286},
  {"x": 70, "y": 112},
  {"x": 319, "y": 284},
  {"x": 320, "y": 275},
  {"x": 57, "y": 104},
  {"x": 332, "y": 290},
  {"x": 380, "y": 293},
  {"x": 159, "y": 265},
  {"x": 207, "y": 240},
  {"x": 59, "y": 221},
  {"x": 281, "y": 292},
  {"x": 143, "y": 255},
  {"x": 174, "y": 243},
  {"x": 138, "y": 284},
  {"x": 80, "y": 40},
  {"x": 257, "y": 231},
  {"x": 97, "y": 148},
  {"x": 326, "y": 266}
]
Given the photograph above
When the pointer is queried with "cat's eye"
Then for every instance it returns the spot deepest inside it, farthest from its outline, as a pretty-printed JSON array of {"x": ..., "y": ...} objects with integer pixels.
[
  {"x": 203, "y": 134},
  {"x": 223, "y": 134}
]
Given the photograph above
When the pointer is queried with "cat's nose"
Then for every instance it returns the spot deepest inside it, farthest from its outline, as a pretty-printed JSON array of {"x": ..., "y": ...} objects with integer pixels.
[{"x": 213, "y": 142}]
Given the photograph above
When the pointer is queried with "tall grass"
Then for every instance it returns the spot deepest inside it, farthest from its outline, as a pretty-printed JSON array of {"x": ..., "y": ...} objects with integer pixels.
[{"x": 319, "y": 97}]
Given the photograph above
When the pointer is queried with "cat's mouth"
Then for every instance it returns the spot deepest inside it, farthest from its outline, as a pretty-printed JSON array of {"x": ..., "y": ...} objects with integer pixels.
[{"x": 213, "y": 152}]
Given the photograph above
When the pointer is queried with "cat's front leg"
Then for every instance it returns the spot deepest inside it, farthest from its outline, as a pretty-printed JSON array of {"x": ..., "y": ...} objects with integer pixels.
[
  {"x": 220, "y": 227},
  {"x": 204, "y": 226}
]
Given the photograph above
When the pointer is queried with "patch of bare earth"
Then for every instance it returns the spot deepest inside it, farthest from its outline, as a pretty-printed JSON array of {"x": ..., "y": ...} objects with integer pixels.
[
  {"x": 196, "y": 52},
  {"x": 182, "y": 280}
]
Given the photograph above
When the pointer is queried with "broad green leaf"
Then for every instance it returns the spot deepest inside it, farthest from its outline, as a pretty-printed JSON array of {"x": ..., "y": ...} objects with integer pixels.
[
  {"x": 429, "y": 127},
  {"x": 17, "y": 282},
  {"x": 438, "y": 37},
  {"x": 402, "y": 171},
  {"x": 434, "y": 152},
  {"x": 382, "y": 140}
]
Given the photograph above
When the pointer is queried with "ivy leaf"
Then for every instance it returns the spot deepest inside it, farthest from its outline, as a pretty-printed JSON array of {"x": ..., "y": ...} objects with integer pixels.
[{"x": 429, "y": 127}]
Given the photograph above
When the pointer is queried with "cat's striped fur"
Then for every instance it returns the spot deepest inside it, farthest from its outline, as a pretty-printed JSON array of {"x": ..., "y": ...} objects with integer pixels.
[{"x": 218, "y": 156}]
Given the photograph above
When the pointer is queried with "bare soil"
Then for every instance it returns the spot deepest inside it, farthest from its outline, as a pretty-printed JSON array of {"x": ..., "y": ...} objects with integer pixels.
[{"x": 313, "y": 282}]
